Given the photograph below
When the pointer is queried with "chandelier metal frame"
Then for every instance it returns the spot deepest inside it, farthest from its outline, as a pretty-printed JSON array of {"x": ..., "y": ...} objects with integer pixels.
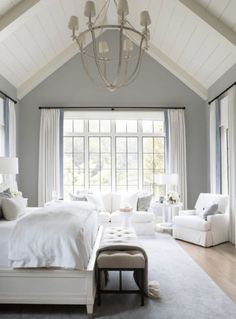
[{"x": 100, "y": 51}]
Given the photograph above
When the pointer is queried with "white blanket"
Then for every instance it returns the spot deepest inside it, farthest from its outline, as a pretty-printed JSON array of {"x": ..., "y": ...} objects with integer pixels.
[{"x": 55, "y": 236}]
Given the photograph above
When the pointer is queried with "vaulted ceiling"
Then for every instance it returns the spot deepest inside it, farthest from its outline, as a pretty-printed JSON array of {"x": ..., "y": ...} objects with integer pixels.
[{"x": 193, "y": 39}]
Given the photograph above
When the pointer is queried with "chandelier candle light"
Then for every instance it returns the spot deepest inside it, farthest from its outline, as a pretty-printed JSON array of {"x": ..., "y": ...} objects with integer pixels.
[{"x": 111, "y": 66}]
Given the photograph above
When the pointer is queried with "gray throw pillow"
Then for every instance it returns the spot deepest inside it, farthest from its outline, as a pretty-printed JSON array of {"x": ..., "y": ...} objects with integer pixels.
[
  {"x": 81, "y": 198},
  {"x": 212, "y": 210},
  {"x": 12, "y": 208},
  {"x": 5, "y": 194},
  {"x": 144, "y": 203}
]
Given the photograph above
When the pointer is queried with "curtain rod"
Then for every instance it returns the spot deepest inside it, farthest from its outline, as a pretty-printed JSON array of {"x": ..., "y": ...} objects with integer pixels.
[
  {"x": 7, "y": 96},
  {"x": 110, "y": 108},
  {"x": 219, "y": 95}
]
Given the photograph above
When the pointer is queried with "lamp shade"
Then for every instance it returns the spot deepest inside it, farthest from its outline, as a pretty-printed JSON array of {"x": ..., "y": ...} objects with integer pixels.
[
  {"x": 9, "y": 165},
  {"x": 166, "y": 179}
]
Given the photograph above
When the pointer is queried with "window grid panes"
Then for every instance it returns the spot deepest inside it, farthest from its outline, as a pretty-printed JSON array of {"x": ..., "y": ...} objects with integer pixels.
[
  {"x": 153, "y": 158},
  {"x": 100, "y": 163},
  {"x": 117, "y": 155},
  {"x": 74, "y": 159},
  {"x": 127, "y": 163}
]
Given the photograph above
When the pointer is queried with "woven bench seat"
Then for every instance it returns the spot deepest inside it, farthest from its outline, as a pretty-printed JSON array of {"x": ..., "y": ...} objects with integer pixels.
[
  {"x": 119, "y": 252},
  {"x": 121, "y": 259}
]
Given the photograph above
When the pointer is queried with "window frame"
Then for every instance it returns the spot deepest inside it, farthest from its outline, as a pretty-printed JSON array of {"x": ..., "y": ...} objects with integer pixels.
[{"x": 155, "y": 116}]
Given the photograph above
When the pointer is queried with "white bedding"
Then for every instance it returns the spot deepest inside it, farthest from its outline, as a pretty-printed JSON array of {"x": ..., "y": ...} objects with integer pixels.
[
  {"x": 6, "y": 228},
  {"x": 55, "y": 236}
]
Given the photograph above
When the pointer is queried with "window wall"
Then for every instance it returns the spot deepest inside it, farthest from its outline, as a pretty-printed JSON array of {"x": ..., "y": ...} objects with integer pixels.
[{"x": 118, "y": 152}]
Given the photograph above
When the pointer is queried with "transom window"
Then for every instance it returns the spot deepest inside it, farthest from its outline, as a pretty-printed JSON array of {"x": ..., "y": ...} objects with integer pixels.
[{"x": 113, "y": 152}]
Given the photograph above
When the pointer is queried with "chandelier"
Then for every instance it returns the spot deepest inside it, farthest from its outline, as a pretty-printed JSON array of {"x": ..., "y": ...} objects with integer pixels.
[{"x": 108, "y": 53}]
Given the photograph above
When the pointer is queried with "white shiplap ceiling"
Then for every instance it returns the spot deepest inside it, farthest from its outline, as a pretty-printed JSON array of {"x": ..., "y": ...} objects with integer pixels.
[{"x": 194, "y": 39}]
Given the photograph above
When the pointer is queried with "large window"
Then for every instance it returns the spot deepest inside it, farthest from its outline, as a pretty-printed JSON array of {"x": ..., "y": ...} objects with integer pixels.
[{"x": 107, "y": 153}]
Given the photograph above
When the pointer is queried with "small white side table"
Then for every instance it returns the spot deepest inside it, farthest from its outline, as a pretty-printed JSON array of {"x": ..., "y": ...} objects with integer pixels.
[
  {"x": 170, "y": 209},
  {"x": 126, "y": 219}
]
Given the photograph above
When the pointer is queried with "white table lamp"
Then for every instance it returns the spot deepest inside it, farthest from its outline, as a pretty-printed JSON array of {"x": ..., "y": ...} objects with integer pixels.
[
  {"x": 8, "y": 166},
  {"x": 167, "y": 179}
]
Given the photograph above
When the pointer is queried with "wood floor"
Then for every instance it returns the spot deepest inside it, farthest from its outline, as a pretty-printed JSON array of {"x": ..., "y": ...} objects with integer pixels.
[{"x": 219, "y": 262}]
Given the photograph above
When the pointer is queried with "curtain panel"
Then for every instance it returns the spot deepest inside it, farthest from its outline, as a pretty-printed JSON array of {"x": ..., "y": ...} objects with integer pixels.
[
  {"x": 177, "y": 151},
  {"x": 49, "y": 155},
  {"x": 212, "y": 134},
  {"x": 232, "y": 162}
]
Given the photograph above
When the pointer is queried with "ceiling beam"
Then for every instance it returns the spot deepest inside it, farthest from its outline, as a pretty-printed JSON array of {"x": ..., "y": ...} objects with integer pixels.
[
  {"x": 18, "y": 15},
  {"x": 178, "y": 71},
  {"x": 211, "y": 20},
  {"x": 47, "y": 70}
]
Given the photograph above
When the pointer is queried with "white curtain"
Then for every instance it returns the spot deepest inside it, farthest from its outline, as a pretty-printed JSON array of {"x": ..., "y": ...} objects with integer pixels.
[
  {"x": 232, "y": 161},
  {"x": 177, "y": 151},
  {"x": 213, "y": 147},
  {"x": 12, "y": 139},
  {"x": 12, "y": 129},
  {"x": 49, "y": 155}
]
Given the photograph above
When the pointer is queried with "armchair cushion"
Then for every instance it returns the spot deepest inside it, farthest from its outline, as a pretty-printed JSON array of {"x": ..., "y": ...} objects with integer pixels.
[
  {"x": 193, "y": 222},
  {"x": 187, "y": 212}
]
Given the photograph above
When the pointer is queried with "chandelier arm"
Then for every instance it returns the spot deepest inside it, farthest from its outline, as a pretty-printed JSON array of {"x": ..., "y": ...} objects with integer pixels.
[
  {"x": 86, "y": 69},
  {"x": 120, "y": 56},
  {"x": 96, "y": 59},
  {"x": 141, "y": 52},
  {"x": 131, "y": 78}
]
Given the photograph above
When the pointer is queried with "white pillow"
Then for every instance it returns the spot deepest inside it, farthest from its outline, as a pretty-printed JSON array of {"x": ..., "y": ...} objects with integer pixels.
[
  {"x": 129, "y": 198},
  {"x": 12, "y": 208},
  {"x": 124, "y": 199},
  {"x": 96, "y": 200}
]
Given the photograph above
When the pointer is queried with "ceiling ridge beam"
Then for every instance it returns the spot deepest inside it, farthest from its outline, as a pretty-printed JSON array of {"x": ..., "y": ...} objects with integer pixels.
[
  {"x": 212, "y": 21},
  {"x": 18, "y": 15},
  {"x": 178, "y": 71}
]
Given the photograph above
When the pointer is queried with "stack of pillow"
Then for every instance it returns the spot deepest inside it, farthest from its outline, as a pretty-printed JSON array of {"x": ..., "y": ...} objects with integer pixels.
[
  {"x": 11, "y": 207},
  {"x": 112, "y": 202}
]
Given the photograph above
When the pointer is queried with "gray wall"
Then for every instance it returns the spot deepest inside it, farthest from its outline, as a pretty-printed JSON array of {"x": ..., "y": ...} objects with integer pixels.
[
  {"x": 225, "y": 81},
  {"x": 7, "y": 87},
  {"x": 155, "y": 86}
]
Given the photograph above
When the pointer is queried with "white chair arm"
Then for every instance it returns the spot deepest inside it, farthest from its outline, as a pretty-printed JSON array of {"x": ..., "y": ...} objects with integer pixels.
[
  {"x": 188, "y": 212},
  {"x": 219, "y": 227},
  {"x": 218, "y": 218}
]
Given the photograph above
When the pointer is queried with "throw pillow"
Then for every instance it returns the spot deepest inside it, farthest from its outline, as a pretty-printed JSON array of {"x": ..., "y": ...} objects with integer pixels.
[
  {"x": 96, "y": 200},
  {"x": 144, "y": 203},
  {"x": 212, "y": 210},
  {"x": 12, "y": 208},
  {"x": 5, "y": 194},
  {"x": 81, "y": 198},
  {"x": 129, "y": 199}
]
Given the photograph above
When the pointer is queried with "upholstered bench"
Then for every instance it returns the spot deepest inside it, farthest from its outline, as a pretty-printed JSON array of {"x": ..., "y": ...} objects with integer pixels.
[{"x": 118, "y": 253}]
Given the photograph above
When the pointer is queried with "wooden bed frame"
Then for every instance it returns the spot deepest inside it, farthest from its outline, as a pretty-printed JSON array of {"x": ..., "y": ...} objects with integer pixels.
[{"x": 51, "y": 286}]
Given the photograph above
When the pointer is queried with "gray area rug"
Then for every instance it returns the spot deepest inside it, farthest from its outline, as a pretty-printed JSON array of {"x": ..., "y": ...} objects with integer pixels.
[{"x": 187, "y": 292}]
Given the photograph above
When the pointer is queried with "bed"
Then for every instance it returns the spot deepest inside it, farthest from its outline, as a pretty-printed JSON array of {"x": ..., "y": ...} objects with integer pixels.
[{"x": 46, "y": 285}]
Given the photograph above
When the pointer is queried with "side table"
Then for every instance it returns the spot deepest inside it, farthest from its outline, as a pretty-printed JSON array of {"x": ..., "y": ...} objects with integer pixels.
[{"x": 167, "y": 223}]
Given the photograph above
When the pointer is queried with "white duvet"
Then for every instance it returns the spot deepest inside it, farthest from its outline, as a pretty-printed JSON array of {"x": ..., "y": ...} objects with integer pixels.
[{"x": 55, "y": 236}]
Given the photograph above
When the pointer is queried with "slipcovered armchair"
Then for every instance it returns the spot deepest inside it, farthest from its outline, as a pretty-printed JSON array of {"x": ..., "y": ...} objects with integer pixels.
[{"x": 207, "y": 225}]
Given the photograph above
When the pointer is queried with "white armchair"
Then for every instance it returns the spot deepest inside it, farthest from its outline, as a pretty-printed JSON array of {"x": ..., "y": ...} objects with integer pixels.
[{"x": 192, "y": 227}]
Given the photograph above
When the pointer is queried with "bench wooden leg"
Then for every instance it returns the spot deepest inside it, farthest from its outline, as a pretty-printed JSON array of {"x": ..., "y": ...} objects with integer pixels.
[
  {"x": 99, "y": 288},
  {"x": 142, "y": 287}
]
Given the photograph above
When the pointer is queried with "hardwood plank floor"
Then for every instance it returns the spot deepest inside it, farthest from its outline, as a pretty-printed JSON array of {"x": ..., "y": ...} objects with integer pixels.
[{"x": 219, "y": 262}]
